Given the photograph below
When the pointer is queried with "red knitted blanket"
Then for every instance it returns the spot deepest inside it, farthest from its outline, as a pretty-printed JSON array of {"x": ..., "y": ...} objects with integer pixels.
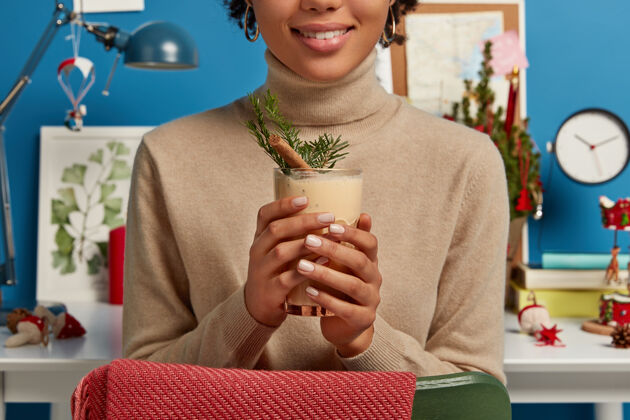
[{"x": 132, "y": 389}]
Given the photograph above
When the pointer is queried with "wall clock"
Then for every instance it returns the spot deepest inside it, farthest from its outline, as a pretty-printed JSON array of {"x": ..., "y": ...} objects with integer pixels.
[{"x": 592, "y": 146}]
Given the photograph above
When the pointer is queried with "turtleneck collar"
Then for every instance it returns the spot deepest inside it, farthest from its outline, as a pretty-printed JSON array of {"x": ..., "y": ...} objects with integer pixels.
[{"x": 354, "y": 97}]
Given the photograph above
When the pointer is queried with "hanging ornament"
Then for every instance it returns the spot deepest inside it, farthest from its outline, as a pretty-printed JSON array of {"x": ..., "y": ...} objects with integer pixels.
[
  {"x": 512, "y": 97},
  {"x": 524, "y": 203},
  {"x": 537, "y": 193},
  {"x": 74, "y": 116}
]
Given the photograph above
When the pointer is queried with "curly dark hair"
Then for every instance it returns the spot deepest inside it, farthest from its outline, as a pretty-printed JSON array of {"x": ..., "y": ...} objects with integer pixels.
[{"x": 236, "y": 11}]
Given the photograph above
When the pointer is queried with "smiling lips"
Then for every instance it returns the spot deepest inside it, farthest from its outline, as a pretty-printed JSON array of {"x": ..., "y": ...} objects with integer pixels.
[{"x": 323, "y": 38}]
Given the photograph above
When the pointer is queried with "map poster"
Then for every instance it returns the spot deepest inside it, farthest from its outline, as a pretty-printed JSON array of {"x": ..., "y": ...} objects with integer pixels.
[{"x": 444, "y": 49}]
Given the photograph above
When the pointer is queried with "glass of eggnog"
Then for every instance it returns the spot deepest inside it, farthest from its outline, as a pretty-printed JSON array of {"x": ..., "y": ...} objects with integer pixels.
[{"x": 337, "y": 191}]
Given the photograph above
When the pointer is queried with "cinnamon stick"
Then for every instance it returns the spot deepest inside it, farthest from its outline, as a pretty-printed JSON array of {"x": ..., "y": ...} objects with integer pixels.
[{"x": 290, "y": 156}]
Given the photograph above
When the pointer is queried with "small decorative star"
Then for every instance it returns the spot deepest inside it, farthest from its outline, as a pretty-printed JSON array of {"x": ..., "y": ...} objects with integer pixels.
[{"x": 548, "y": 336}]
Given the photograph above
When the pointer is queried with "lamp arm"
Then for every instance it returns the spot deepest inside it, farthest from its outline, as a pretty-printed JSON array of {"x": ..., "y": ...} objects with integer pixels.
[
  {"x": 104, "y": 34},
  {"x": 7, "y": 269},
  {"x": 34, "y": 59}
]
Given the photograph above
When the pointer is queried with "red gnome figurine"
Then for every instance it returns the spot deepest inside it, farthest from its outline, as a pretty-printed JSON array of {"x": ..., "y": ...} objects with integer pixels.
[{"x": 67, "y": 326}]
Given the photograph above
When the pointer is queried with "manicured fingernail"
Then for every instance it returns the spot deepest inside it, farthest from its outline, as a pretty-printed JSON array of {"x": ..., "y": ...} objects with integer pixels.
[
  {"x": 313, "y": 241},
  {"x": 326, "y": 218},
  {"x": 334, "y": 228},
  {"x": 321, "y": 260},
  {"x": 299, "y": 201},
  {"x": 306, "y": 266},
  {"x": 312, "y": 291}
]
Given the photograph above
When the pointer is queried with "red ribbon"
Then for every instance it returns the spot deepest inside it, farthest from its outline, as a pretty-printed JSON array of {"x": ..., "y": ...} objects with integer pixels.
[{"x": 524, "y": 203}]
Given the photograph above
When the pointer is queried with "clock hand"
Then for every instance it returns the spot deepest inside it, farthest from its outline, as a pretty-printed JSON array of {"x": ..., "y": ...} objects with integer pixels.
[
  {"x": 599, "y": 166},
  {"x": 606, "y": 141},
  {"x": 585, "y": 142}
]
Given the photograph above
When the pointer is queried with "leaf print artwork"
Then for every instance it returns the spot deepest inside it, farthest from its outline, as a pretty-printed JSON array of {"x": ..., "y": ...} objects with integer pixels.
[{"x": 86, "y": 209}]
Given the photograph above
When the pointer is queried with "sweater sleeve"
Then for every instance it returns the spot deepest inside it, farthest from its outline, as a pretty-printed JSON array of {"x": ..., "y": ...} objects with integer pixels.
[
  {"x": 158, "y": 322},
  {"x": 466, "y": 332}
]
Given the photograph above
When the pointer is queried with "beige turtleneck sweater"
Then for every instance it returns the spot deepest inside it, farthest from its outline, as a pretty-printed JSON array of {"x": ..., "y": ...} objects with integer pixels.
[{"x": 437, "y": 195}]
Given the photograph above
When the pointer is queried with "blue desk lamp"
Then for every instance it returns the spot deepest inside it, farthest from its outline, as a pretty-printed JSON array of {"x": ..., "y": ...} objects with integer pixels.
[{"x": 154, "y": 45}]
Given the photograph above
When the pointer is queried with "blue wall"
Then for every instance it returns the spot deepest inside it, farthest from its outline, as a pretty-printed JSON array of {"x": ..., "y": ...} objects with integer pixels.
[
  {"x": 572, "y": 47},
  {"x": 229, "y": 67},
  {"x": 576, "y": 51}
]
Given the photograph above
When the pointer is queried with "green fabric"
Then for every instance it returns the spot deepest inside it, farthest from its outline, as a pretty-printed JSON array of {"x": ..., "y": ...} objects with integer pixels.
[{"x": 461, "y": 396}]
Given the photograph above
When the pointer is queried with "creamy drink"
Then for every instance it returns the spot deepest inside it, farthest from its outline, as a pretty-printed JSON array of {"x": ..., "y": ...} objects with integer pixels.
[
  {"x": 308, "y": 172},
  {"x": 337, "y": 191}
]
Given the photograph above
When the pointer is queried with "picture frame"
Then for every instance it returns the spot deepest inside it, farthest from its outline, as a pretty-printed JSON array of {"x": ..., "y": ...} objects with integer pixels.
[
  {"x": 107, "y": 6},
  {"x": 84, "y": 182},
  {"x": 513, "y": 12}
]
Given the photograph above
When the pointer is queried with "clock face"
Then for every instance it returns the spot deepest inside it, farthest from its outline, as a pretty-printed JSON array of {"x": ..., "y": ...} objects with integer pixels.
[{"x": 592, "y": 146}]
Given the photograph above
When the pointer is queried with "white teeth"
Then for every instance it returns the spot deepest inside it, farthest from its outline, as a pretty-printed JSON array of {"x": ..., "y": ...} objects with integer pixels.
[{"x": 324, "y": 35}]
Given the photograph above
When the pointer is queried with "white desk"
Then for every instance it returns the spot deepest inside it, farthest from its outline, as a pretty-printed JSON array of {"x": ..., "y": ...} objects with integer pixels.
[
  {"x": 588, "y": 369},
  {"x": 50, "y": 374}
]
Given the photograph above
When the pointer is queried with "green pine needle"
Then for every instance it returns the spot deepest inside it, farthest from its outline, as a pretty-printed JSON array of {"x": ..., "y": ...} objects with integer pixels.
[{"x": 324, "y": 152}]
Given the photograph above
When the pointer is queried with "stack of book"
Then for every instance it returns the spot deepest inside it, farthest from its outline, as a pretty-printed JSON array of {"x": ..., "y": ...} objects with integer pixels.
[{"x": 565, "y": 292}]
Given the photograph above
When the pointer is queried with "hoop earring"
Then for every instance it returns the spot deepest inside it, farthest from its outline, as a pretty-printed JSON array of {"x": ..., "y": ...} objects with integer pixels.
[
  {"x": 388, "y": 40},
  {"x": 245, "y": 26}
]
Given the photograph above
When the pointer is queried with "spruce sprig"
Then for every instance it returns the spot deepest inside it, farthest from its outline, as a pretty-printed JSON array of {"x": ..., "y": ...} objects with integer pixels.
[
  {"x": 324, "y": 152},
  {"x": 258, "y": 129},
  {"x": 289, "y": 133}
]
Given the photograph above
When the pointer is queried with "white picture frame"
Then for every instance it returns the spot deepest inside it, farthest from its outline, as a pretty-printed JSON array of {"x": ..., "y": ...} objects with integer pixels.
[
  {"x": 105, "y": 6},
  {"x": 84, "y": 182}
]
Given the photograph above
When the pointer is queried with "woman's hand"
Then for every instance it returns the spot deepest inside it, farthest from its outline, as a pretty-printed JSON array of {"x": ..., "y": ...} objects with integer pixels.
[
  {"x": 268, "y": 279},
  {"x": 351, "y": 329}
]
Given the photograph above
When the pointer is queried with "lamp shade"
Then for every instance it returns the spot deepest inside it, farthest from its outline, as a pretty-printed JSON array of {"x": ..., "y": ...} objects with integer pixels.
[{"x": 161, "y": 45}]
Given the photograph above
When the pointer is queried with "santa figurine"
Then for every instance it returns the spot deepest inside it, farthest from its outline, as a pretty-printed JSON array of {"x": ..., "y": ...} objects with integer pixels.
[
  {"x": 30, "y": 330},
  {"x": 533, "y": 317}
]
